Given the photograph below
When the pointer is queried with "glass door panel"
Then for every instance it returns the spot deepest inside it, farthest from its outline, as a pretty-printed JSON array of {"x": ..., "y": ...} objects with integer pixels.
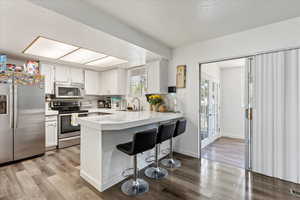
[
  {"x": 209, "y": 124},
  {"x": 204, "y": 108}
]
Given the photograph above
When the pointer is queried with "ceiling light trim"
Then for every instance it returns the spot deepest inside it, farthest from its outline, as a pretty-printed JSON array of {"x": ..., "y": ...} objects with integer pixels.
[{"x": 68, "y": 53}]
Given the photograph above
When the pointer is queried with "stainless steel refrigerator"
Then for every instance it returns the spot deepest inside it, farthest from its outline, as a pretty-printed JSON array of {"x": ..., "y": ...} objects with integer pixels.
[{"x": 22, "y": 116}]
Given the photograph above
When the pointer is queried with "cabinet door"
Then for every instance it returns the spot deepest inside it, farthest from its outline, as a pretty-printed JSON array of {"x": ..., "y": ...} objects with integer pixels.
[
  {"x": 62, "y": 73},
  {"x": 157, "y": 77},
  {"x": 113, "y": 82},
  {"x": 51, "y": 134},
  {"x": 48, "y": 71},
  {"x": 105, "y": 83},
  {"x": 91, "y": 83},
  {"x": 153, "y": 77},
  {"x": 76, "y": 75}
]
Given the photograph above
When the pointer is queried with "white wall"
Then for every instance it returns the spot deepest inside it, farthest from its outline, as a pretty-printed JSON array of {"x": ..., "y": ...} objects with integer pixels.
[
  {"x": 274, "y": 36},
  {"x": 232, "y": 111}
]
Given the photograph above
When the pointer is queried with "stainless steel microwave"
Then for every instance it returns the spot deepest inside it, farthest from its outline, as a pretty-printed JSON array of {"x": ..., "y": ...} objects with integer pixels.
[{"x": 69, "y": 90}]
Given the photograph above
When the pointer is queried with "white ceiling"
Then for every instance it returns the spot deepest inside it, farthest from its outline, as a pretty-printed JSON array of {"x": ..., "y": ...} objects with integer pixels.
[
  {"x": 21, "y": 22},
  {"x": 180, "y": 22}
]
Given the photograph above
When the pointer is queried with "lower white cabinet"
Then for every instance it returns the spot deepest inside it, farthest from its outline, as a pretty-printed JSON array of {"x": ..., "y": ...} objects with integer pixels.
[{"x": 51, "y": 132}]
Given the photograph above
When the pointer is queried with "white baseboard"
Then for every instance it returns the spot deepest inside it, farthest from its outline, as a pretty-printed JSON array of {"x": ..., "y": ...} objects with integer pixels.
[
  {"x": 233, "y": 135},
  {"x": 91, "y": 180},
  {"x": 187, "y": 153}
]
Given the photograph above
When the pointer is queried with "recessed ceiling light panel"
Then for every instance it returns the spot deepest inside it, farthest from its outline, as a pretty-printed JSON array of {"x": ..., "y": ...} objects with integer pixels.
[
  {"x": 82, "y": 56},
  {"x": 107, "y": 62},
  {"x": 49, "y": 48}
]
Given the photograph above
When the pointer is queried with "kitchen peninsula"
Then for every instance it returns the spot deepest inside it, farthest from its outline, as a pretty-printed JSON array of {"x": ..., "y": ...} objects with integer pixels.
[{"x": 101, "y": 163}]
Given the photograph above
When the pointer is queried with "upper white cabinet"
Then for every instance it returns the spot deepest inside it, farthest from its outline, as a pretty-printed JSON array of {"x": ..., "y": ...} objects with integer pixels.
[
  {"x": 113, "y": 82},
  {"x": 91, "y": 82},
  {"x": 76, "y": 75},
  {"x": 157, "y": 77},
  {"x": 62, "y": 73},
  {"x": 48, "y": 71},
  {"x": 68, "y": 74}
]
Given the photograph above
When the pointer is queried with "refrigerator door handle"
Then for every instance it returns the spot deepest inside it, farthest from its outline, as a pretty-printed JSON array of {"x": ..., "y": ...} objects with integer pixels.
[
  {"x": 15, "y": 107},
  {"x": 11, "y": 104}
]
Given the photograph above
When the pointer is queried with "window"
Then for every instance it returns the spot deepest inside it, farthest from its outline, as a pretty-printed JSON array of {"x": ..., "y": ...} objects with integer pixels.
[{"x": 138, "y": 81}]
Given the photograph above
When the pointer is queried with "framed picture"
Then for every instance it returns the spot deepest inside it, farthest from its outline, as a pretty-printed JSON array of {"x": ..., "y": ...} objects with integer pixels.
[{"x": 181, "y": 76}]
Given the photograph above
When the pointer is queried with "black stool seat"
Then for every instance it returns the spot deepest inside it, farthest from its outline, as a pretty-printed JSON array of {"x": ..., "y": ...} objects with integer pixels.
[
  {"x": 142, "y": 141},
  {"x": 126, "y": 148},
  {"x": 180, "y": 127},
  {"x": 165, "y": 132}
]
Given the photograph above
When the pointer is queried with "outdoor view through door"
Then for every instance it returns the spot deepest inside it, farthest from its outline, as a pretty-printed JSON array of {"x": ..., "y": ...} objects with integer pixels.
[{"x": 222, "y": 112}]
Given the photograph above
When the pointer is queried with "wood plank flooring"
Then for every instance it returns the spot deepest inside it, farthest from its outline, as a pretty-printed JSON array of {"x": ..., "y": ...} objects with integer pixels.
[
  {"x": 226, "y": 150},
  {"x": 55, "y": 176}
]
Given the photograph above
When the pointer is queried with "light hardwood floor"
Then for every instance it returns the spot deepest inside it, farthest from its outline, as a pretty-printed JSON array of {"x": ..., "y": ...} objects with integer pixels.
[
  {"x": 55, "y": 176},
  {"x": 226, "y": 150}
]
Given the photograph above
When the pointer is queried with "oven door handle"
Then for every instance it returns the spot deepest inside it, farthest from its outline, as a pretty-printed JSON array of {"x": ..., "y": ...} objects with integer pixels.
[{"x": 69, "y": 114}]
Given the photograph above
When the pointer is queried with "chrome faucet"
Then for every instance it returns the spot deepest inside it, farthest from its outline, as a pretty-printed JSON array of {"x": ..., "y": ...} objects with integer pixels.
[{"x": 139, "y": 103}]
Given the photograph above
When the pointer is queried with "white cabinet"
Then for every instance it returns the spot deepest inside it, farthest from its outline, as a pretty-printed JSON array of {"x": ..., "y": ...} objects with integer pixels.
[
  {"x": 91, "y": 82},
  {"x": 48, "y": 71},
  {"x": 62, "y": 73},
  {"x": 68, "y": 74},
  {"x": 157, "y": 77},
  {"x": 76, "y": 75},
  {"x": 113, "y": 82},
  {"x": 51, "y": 132}
]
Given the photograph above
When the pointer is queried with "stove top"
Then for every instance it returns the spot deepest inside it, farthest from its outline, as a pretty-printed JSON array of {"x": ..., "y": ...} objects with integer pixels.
[{"x": 72, "y": 111}]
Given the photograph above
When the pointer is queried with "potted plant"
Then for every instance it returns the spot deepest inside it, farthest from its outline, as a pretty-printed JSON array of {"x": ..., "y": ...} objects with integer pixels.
[{"x": 155, "y": 100}]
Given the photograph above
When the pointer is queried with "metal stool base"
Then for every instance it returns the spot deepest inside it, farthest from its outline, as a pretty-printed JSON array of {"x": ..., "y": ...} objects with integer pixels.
[
  {"x": 171, "y": 163},
  {"x": 156, "y": 172},
  {"x": 132, "y": 188}
]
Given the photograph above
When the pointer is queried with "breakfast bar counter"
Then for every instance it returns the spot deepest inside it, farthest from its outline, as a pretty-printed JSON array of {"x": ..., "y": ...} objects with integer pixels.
[{"x": 101, "y": 164}]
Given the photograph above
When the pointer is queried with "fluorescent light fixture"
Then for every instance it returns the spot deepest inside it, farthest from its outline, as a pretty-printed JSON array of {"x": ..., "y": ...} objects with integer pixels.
[
  {"x": 49, "y": 48},
  {"x": 82, "y": 56},
  {"x": 107, "y": 62}
]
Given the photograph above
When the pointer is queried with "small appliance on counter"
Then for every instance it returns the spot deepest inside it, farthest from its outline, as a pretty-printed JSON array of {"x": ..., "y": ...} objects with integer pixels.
[
  {"x": 104, "y": 103},
  {"x": 118, "y": 103},
  {"x": 68, "y": 130}
]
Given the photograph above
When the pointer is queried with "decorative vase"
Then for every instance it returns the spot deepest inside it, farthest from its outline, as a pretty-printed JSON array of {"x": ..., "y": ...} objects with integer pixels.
[
  {"x": 155, "y": 107},
  {"x": 151, "y": 107},
  {"x": 162, "y": 108}
]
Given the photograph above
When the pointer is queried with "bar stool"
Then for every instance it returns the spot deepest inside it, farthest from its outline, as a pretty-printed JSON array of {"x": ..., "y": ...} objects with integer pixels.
[
  {"x": 171, "y": 162},
  {"x": 165, "y": 132},
  {"x": 142, "y": 141}
]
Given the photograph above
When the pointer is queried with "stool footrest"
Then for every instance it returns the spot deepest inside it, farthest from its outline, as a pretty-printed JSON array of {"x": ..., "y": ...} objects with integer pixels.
[
  {"x": 126, "y": 173},
  {"x": 150, "y": 159},
  {"x": 165, "y": 151}
]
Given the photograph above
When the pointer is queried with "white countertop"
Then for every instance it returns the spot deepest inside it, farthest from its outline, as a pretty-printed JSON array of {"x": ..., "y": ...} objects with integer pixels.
[
  {"x": 105, "y": 110},
  {"x": 119, "y": 120},
  {"x": 51, "y": 112}
]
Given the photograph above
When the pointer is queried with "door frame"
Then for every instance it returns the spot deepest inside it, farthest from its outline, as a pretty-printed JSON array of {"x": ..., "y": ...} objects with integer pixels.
[{"x": 248, "y": 121}]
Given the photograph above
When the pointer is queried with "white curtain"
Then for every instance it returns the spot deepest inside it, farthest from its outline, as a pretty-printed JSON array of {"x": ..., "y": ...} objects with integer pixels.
[{"x": 276, "y": 115}]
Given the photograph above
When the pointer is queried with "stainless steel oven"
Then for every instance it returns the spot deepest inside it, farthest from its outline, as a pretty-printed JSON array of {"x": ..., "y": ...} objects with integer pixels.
[
  {"x": 69, "y": 134},
  {"x": 69, "y": 90}
]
